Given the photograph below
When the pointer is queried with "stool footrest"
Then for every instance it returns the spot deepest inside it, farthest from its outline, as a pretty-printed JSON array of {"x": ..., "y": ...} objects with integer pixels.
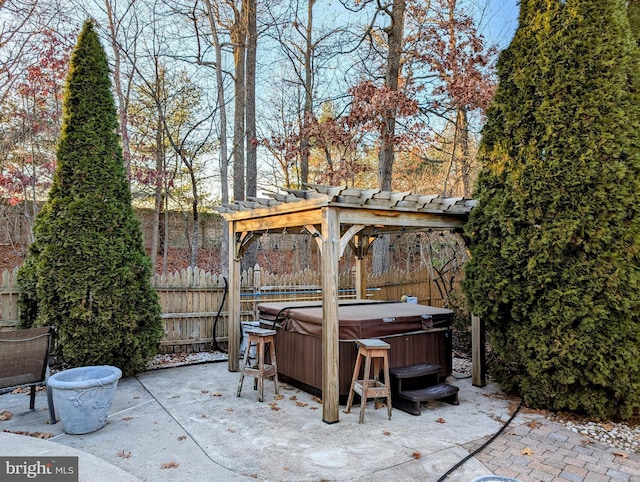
[
  {"x": 254, "y": 371},
  {"x": 374, "y": 389}
]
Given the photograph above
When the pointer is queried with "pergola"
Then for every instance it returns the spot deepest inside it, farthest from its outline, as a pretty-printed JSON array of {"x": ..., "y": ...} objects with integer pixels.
[{"x": 337, "y": 218}]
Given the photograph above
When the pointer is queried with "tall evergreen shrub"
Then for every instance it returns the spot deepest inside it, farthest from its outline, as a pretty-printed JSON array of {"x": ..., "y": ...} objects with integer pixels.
[
  {"x": 87, "y": 272},
  {"x": 555, "y": 238}
]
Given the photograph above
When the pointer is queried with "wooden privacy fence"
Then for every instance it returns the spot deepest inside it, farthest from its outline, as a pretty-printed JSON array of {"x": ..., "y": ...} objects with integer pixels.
[{"x": 194, "y": 302}]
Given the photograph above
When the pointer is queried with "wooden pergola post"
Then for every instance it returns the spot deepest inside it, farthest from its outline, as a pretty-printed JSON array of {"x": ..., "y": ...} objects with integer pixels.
[
  {"x": 478, "y": 365},
  {"x": 235, "y": 255},
  {"x": 330, "y": 278}
]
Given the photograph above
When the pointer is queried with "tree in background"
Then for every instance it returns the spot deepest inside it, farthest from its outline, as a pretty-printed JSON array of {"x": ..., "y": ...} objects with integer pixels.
[
  {"x": 555, "y": 267},
  {"x": 87, "y": 272}
]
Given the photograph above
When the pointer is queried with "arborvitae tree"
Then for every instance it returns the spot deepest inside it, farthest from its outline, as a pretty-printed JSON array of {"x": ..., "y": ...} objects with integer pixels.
[
  {"x": 555, "y": 238},
  {"x": 87, "y": 272}
]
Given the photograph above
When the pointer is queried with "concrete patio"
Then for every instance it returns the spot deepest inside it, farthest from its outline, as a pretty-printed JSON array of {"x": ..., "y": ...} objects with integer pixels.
[{"x": 187, "y": 423}]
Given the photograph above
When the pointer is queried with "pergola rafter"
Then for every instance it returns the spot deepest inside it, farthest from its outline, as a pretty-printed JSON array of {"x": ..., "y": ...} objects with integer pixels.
[{"x": 337, "y": 218}]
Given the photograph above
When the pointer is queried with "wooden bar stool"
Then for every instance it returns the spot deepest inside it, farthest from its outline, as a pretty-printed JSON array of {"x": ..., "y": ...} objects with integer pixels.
[
  {"x": 260, "y": 338},
  {"x": 367, "y": 387}
]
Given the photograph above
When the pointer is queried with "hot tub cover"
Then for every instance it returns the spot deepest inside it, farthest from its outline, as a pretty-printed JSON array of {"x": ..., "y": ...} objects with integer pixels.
[{"x": 357, "y": 318}]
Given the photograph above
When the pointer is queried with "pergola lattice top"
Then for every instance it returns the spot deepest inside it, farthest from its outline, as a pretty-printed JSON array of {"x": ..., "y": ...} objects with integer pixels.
[{"x": 353, "y": 197}]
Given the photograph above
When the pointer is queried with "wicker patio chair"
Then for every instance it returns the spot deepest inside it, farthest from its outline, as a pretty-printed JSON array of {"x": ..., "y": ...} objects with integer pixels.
[{"x": 24, "y": 361}]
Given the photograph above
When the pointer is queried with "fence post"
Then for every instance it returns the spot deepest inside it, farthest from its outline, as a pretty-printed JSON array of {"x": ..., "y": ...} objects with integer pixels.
[{"x": 478, "y": 352}]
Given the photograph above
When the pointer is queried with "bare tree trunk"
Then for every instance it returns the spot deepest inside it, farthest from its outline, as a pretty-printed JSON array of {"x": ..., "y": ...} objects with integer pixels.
[
  {"x": 308, "y": 95},
  {"x": 238, "y": 38},
  {"x": 250, "y": 96},
  {"x": 460, "y": 159},
  {"x": 462, "y": 125},
  {"x": 165, "y": 241},
  {"x": 224, "y": 158},
  {"x": 305, "y": 248},
  {"x": 195, "y": 211},
  {"x": 123, "y": 100},
  {"x": 386, "y": 156},
  {"x": 251, "y": 255},
  {"x": 158, "y": 200}
]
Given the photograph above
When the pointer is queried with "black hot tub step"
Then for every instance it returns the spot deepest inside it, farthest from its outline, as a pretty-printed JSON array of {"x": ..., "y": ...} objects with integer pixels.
[
  {"x": 415, "y": 371},
  {"x": 409, "y": 400},
  {"x": 441, "y": 391}
]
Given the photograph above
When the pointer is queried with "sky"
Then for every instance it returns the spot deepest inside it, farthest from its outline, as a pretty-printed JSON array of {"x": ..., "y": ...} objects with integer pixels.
[{"x": 499, "y": 19}]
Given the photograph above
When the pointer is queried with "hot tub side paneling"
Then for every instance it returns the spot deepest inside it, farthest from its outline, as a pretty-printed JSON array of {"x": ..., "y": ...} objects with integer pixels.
[{"x": 299, "y": 355}]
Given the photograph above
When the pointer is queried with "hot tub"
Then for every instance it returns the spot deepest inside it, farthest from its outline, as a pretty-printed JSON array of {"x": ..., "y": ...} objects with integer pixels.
[{"x": 416, "y": 333}]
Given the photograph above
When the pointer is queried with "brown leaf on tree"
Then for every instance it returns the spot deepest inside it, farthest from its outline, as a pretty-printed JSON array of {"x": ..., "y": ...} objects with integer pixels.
[
  {"x": 441, "y": 420},
  {"x": 125, "y": 454},
  {"x": 170, "y": 465},
  {"x": 6, "y": 415},
  {"x": 416, "y": 455},
  {"x": 526, "y": 451},
  {"x": 619, "y": 453}
]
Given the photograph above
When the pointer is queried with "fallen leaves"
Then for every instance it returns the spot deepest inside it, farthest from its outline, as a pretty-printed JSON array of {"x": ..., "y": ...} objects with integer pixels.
[
  {"x": 216, "y": 394},
  {"x": 385, "y": 432},
  {"x": 274, "y": 406},
  {"x": 182, "y": 437},
  {"x": 441, "y": 420},
  {"x": 278, "y": 397},
  {"x": 43, "y": 435},
  {"x": 124, "y": 454},
  {"x": 126, "y": 419},
  {"x": 300, "y": 404},
  {"x": 6, "y": 415},
  {"x": 619, "y": 453},
  {"x": 533, "y": 424},
  {"x": 170, "y": 465},
  {"x": 317, "y": 399},
  {"x": 526, "y": 451},
  {"x": 416, "y": 455}
]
